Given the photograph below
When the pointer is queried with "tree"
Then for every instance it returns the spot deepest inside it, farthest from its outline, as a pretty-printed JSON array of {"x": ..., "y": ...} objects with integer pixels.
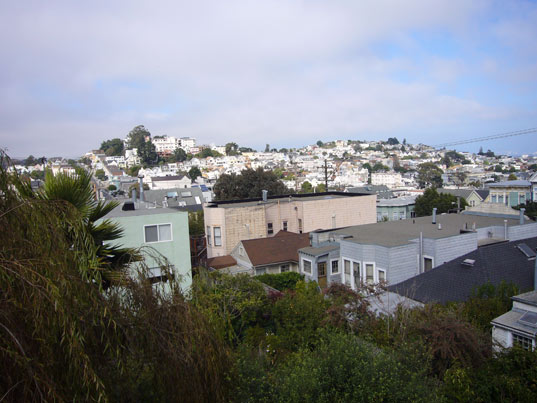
[
  {"x": 319, "y": 143},
  {"x": 512, "y": 177},
  {"x": 442, "y": 201},
  {"x": 248, "y": 184},
  {"x": 30, "y": 161},
  {"x": 379, "y": 167},
  {"x": 232, "y": 149},
  {"x": 137, "y": 136},
  {"x": 429, "y": 175},
  {"x": 148, "y": 153},
  {"x": 99, "y": 174},
  {"x": 133, "y": 170},
  {"x": 320, "y": 188},
  {"x": 459, "y": 178},
  {"x": 267, "y": 148},
  {"x": 112, "y": 187},
  {"x": 480, "y": 151},
  {"x": 306, "y": 187},
  {"x": 112, "y": 147},
  {"x": 393, "y": 141},
  {"x": 193, "y": 173},
  {"x": 179, "y": 155},
  {"x": 196, "y": 226}
]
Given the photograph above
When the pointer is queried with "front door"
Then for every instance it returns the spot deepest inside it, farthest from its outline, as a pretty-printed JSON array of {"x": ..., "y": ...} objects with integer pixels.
[{"x": 321, "y": 274}]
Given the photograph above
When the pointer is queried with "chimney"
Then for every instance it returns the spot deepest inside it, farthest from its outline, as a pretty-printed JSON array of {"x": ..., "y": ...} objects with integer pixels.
[
  {"x": 141, "y": 184},
  {"x": 265, "y": 192},
  {"x": 522, "y": 216},
  {"x": 133, "y": 195},
  {"x": 434, "y": 215}
]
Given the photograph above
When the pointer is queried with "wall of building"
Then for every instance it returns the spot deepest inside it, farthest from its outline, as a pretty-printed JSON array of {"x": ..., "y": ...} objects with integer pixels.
[
  {"x": 177, "y": 251},
  {"x": 242, "y": 223},
  {"x": 502, "y": 336},
  {"x": 522, "y": 231}
]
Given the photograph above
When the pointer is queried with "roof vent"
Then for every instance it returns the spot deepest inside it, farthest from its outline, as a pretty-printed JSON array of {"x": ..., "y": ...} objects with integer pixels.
[{"x": 468, "y": 262}]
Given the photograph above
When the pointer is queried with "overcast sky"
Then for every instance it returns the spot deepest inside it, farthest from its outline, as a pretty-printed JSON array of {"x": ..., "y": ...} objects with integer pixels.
[{"x": 287, "y": 73}]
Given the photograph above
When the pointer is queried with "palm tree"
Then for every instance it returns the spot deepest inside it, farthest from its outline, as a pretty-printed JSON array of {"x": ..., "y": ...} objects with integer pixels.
[{"x": 109, "y": 261}]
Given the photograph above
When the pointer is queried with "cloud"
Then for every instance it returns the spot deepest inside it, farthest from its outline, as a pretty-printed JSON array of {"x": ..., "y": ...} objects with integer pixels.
[{"x": 251, "y": 72}]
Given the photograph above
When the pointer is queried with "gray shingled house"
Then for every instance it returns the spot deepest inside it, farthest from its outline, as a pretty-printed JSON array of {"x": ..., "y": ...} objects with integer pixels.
[{"x": 395, "y": 251}]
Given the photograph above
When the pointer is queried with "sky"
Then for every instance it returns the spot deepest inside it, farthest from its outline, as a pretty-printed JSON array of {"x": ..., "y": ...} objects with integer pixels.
[{"x": 284, "y": 73}]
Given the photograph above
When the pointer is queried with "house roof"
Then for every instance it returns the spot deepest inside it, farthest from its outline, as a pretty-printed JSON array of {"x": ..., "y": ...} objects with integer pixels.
[
  {"x": 483, "y": 193},
  {"x": 402, "y": 232},
  {"x": 319, "y": 251},
  {"x": 221, "y": 262},
  {"x": 465, "y": 193},
  {"x": 455, "y": 281},
  {"x": 283, "y": 247},
  {"x": 509, "y": 184},
  {"x": 382, "y": 191},
  {"x": 168, "y": 178},
  {"x": 181, "y": 198}
]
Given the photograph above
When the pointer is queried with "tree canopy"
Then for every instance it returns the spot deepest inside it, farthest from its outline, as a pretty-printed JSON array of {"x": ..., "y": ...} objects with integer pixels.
[
  {"x": 442, "y": 201},
  {"x": 249, "y": 184},
  {"x": 429, "y": 175},
  {"x": 112, "y": 147},
  {"x": 137, "y": 136}
]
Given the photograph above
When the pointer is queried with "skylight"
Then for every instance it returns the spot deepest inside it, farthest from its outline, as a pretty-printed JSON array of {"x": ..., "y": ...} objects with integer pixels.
[
  {"x": 529, "y": 318},
  {"x": 526, "y": 250}
]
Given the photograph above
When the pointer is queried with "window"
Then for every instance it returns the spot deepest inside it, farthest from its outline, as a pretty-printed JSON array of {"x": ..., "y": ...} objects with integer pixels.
[
  {"x": 208, "y": 232},
  {"x": 402, "y": 215},
  {"x": 369, "y": 273},
  {"x": 379, "y": 217},
  {"x": 335, "y": 266},
  {"x": 284, "y": 268},
  {"x": 395, "y": 216},
  {"x": 306, "y": 266},
  {"x": 300, "y": 226},
  {"x": 270, "y": 230},
  {"x": 356, "y": 272},
  {"x": 427, "y": 263},
  {"x": 217, "y": 236},
  {"x": 382, "y": 276},
  {"x": 158, "y": 233},
  {"x": 500, "y": 199},
  {"x": 260, "y": 271},
  {"x": 525, "y": 342},
  {"x": 347, "y": 270},
  {"x": 521, "y": 198},
  {"x": 493, "y": 198},
  {"x": 284, "y": 226}
]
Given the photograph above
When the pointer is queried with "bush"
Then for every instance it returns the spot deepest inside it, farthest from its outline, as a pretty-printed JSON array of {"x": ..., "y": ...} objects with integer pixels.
[{"x": 282, "y": 281}]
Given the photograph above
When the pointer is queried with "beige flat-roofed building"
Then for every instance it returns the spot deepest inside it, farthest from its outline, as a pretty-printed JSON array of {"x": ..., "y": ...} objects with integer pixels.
[{"x": 229, "y": 222}]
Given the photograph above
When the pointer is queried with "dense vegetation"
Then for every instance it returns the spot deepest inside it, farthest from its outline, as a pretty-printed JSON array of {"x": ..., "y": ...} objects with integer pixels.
[
  {"x": 249, "y": 184},
  {"x": 67, "y": 335}
]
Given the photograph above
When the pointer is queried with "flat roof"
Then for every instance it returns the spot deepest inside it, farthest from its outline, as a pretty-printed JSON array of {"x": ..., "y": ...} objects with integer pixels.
[
  {"x": 141, "y": 210},
  {"x": 305, "y": 197},
  {"x": 396, "y": 233}
]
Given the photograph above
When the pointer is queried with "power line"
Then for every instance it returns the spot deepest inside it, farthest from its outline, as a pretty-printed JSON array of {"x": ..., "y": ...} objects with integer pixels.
[{"x": 492, "y": 137}]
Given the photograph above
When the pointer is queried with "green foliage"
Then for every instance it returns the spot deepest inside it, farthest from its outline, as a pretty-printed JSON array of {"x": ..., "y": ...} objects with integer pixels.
[
  {"x": 133, "y": 170},
  {"x": 147, "y": 153},
  {"x": 343, "y": 368},
  {"x": 232, "y": 149},
  {"x": 207, "y": 152},
  {"x": 306, "y": 187},
  {"x": 442, "y": 201},
  {"x": 137, "y": 136},
  {"x": 193, "y": 173},
  {"x": 429, "y": 175},
  {"x": 248, "y": 184},
  {"x": 392, "y": 141},
  {"x": 35, "y": 174},
  {"x": 512, "y": 177},
  {"x": 379, "y": 167},
  {"x": 488, "y": 302},
  {"x": 112, "y": 147},
  {"x": 281, "y": 281},
  {"x": 179, "y": 155},
  {"x": 99, "y": 174},
  {"x": 196, "y": 226},
  {"x": 112, "y": 187}
]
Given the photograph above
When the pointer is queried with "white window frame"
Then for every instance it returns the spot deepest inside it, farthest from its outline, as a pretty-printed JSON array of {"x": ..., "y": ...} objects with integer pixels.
[
  {"x": 270, "y": 230},
  {"x": 220, "y": 236},
  {"x": 302, "y": 266},
  {"x": 428, "y": 257},
  {"x": 285, "y": 225},
  {"x": 338, "y": 269},
  {"x": 158, "y": 232},
  {"x": 364, "y": 277},
  {"x": 288, "y": 268},
  {"x": 377, "y": 272}
]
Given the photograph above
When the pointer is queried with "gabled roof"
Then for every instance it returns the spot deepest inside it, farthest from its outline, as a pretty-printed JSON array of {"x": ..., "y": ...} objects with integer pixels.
[
  {"x": 221, "y": 262},
  {"x": 455, "y": 281},
  {"x": 283, "y": 247},
  {"x": 465, "y": 193}
]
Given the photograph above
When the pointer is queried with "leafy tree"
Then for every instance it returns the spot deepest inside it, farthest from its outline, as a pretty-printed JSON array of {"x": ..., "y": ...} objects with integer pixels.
[
  {"x": 112, "y": 147},
  {"x": 429, "y": 175},
  {"x": 490, "y": 154},
  {"x": 306, "y": 187},
  {"x": 281, "y": 281},
  {"x": 320, "y": 188},
  {"x": 232, "y": 149},
  {"x": 30, "y": 161},
  {"x": 459, "y": 178},
  {"x": 179, "y": 155},
  {"x": 196, "y": 226},
  {"x": 246, "y": 150},
  {"x": 99, "y": 174},
  {"x": 193, "y": 173},
  {"x": 442, "y": 201},
  {"x": 512, "y": 177},
  {"x": 368, "y": 166},
  {"x": 267, "y": 148},
  {"x": 319, "y": 143},
  {"x": 480, "y": 151},
  {"x": 393, "y": 141},
  {"x": 133, "y": 170},
  {"x": 35, "y": 174},
  {"x": 137, "y": 136},
  {"x": 379, "y": 167},
  {"x": 112, "y": 187},
  {"x": 148, "y": 153},
  {"x": 248, "y": 184}
]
